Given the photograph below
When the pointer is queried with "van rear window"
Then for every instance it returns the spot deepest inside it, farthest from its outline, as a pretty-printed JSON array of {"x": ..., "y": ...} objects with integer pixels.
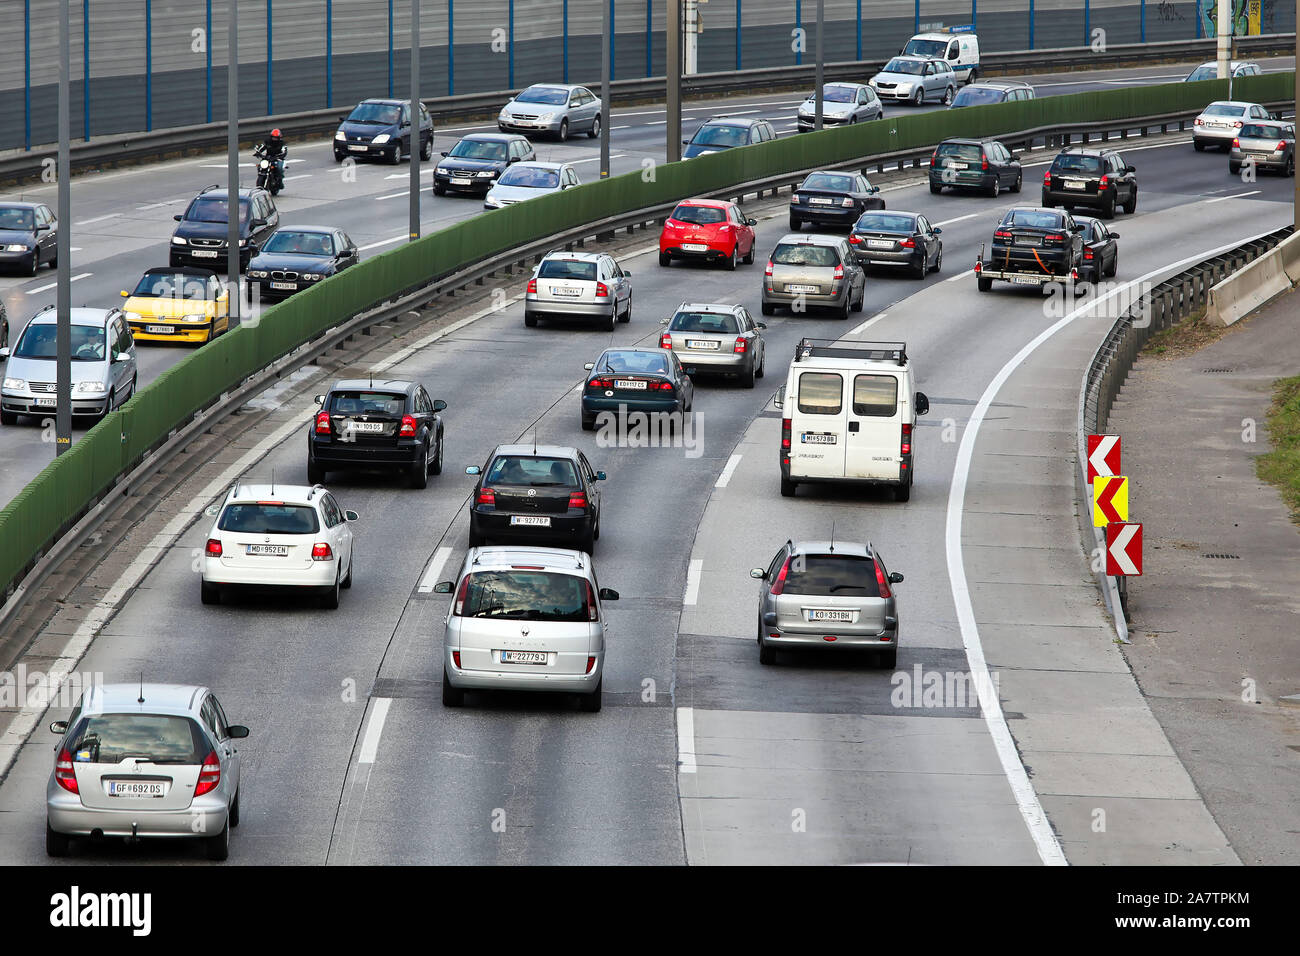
[
  {"x": 875, "y": 395},
  {"x": 821, "y": 393}
]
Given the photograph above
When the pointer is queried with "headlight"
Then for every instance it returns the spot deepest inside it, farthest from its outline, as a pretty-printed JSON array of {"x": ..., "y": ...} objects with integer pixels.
[
  {"x": 17, "y": 384},
  {"x": 439, "y": 171},
  {"x": 177, "y": 241},
  {"x": 312, "y": 276},
  {"x": 846, "y": 202},
  {"x": 341, "y": 135},
  {"x": 134, "y": 317},
  {"x": 380, "y": 140},
  {"x": 242, "y": 243},
  {"x": 493, "y": 202},
  {"x": 546, "y": 117},
  {"x": 17, "y": 247},
  {"x": 903, "y": 87},
  {"x": 90, "y": 387},
  {"x": 796, "y": 198},
  {"x": 486, "y": 174},
  {"x": 194, "y": 317},
  {"x": 256, "y": 274},
  {"x": 504, "y": 114}
]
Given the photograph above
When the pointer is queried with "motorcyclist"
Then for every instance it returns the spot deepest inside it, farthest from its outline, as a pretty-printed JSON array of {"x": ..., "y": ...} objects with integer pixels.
[{"x": 274, "y": 150}]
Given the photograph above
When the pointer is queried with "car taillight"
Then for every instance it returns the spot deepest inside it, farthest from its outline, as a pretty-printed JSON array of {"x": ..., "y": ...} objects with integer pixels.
[
  {"x": 846, "y": 202},
  {"x": 408, "y": 427},
  {"x": 320, "y": 551},
  {"x": 1198, "y": 122},
  {"x": 1280, "y": 147},
  {"x": 934, "y": 158},
  {"x": 1047, "y": 178},
  {"x": 213, "y": 550},
  {"x": 661, "y": 386},
  {"x": 1074, "y": 275},
  {"x": 487, "y": 496},
  {"x": 455, "y": 655},
  {"x": 461, "y": 593},
  {"x": 1087, "y": 253},
  {"x": 1001, "y": 234},
  {"x": 839, "y": 272},
  {"x": 322, "y": 423},
  {"x": 778, "y": 586},
  {"x": 785, "y": 434},
  {"x": 591, "y": 661},
  {"x": 602, "y": 290},
  {"x": 740, "y": 346},
  {"x": 591, "y": 616},
  {"x": 601, "y": 383},
  {"x": 906, "y": 447},
  {"x": 1105, "y": 182},
  {"x": 1237, "y": 125},
  {"x": 907, "y": 244},
  {"x": 63, "y": 772},
  {"x": 768, "y": 271},
  {"x": 881, "y": 582},
  {"x": 984, "y": 163},
  {"x": 209, "y": 774},
  {"x": 1053, "y": 237},
  {"x": 665, "y": 341},
  {"x": 578, "y": 499},
  {"x": 532, "y": 286},
  {"x": 855, "y": 239},
  {"x": 1236, "y": 143}
]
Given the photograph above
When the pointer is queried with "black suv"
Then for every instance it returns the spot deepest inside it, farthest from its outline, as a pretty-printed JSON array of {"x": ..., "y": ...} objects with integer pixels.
[
  {"x": 474, "y": 164},
  {"x": 536, "y": 494},
  {"x": 1097, "y": 178},
  {"x": 723, "y": 132},
  {"x": 364, "y": 425},
  {"x": 983, "y": 164},
  {"x": 200, "y": 239}
]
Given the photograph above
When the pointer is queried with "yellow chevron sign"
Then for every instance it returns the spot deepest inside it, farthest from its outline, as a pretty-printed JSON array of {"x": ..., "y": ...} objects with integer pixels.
[{"x": 1109, "y": 500}]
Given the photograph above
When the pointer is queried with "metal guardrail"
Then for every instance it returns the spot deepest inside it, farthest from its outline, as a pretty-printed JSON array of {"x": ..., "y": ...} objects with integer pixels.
[{"x": 21, "y": 166}]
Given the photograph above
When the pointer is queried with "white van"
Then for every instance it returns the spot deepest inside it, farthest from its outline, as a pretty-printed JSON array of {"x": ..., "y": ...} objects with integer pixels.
[
  {"x": 959, "y": 46},
  {"x": 849, "y": 414}
]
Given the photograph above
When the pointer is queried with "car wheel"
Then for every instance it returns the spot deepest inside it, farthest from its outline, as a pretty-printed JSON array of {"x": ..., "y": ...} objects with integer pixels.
[
  {"x": 795, "y": 223},
  {"x": 426, "y": 149},
  {"x": 1233, "y": 168},
  {"x": 36, "y": 262},
  {"x": 419, "y": 471},
  {"x": 729, "y": 263},
  {"x": 437, "y": 461},
  {"x": 768, "y": 308},
  {"x": 938, "y": 260},
  {"x": 888, "y": 658},
  {"x": 862, "y": 298},
  {"x": 665, "y": 259},
  {"x": 591, "y": 702},
  {"x": 984, "y": 284},
  {"x": 476, "y": 540},
  {"x": 530, "y": 320},
  {"x": 338, "y": 157},
  {"x": 788, "y": 487},
  {"x": 234, "y": 811},
  {"x": 903, "y": 492},
  {"x": 747, "y": 379},
  {"x": 451, "y": 696},
  {"x": 218, "y": 847},
  {"x": 749, "y": 256},
  {"x": 329, "y": 598},
  {"x": 1047, "y": 203},
  {"x": 920, "y": 269},
  {"x": 918, "y": 98},
  {"x": 766, "y": 654},
  {"x": 315, "y": 474},
  {"x": 1290, "y": 171},
  {"x": 395, "y": 155},
  {"x": 1114, "y": 265},
  {"x": 1198, "y": 146},
  {"x": 56, "y": 844},
  {"x": 996, "y": 188},
  {"x": 588, "y": 542},
  {"x": 613, "y": 318},
  {"x": 947, "y": 96},
  {"x": 564, "y": 130},
  {"x": 627, "y": 313},
  {"x": 972, "y": 76},
  {"x": 1019, "y": 181},
  {"x": 935, "y": 189},
  {"x": 595, "y": 127},
  {"x": 209, "y": 593},
  {"x": 588, "y": 424},
  {"x": 762, "y": 365},
  {"x": 1130, "y": 206},
  {"x": 54, "y": 259},
  {"x": 439, "y": 190},
  {"x": 8, "y": 418},
  {"x": 347, "y": 581},
  {"x": 843, "y": 311},
  {"x": 1108, "y": 208}
]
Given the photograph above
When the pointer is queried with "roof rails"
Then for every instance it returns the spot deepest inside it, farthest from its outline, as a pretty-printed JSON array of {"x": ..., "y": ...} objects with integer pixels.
[
  {"x": 838, "y": 348},
  {"x": 209, "y": 188}
]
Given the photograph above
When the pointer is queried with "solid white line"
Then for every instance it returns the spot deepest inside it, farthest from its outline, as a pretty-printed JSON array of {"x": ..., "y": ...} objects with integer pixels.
[
  {"x": 435, "y": 568},
  {"x": 594, "y": 159},
  {"x": 425, "y": 171},
  {"x": 693, "y": 581},
  {"x": 405, "y": 192},
  {"x": 949, "y": 222},
  {"x": 725, "y": 477},
  {"x": 299, "y": 176},
  {"x": 1253, "y": 192},
  {"x": 1040, "y": 830},
  {"x": 959, "y": 276},
  {"x": 51, "y": 285},
  {"x": 374, "y": 729},
  {"x": 87, "y": 222},
  {"x": 686, "y": 739},
  {"x": 867, "y": 324},
  {"x": 381, "y": 242},
  {"x": 220, "y": 165}
]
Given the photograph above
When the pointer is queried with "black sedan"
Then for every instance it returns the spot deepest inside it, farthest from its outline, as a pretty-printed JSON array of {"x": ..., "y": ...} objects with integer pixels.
[
  {"x": 298, "y": 257},
  {"x": 29, "y": 236},
  {"x": 833, "y": 199},
  {"x": 381, "y": 129},
  {"x": 898, "y": 239},
  {"x": 642, "y": 389},
  {"x": 364, "y": 425},
  {"x": 474, "y": 164},
  {"x": 1032, "y": 246},
  {"x": 539, "y": 494},
  {"x": 1100, "y": 250}
]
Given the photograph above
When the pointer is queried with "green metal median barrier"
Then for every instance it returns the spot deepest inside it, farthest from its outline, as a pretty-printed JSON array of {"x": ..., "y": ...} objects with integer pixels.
[{"x": 71, "y": 483}]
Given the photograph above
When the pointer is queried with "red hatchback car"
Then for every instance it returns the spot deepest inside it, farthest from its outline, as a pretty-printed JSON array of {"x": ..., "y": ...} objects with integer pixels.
[{"x": 708, "y": 229}]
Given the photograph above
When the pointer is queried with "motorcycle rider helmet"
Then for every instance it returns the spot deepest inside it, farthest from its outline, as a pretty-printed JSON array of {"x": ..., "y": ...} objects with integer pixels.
[{"x": 275, "y": 134}]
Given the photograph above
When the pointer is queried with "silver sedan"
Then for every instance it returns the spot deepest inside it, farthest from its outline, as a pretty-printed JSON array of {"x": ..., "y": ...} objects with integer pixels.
[
  {"x": 554, "y": 108},
  {"x": 579, "y": 285}
]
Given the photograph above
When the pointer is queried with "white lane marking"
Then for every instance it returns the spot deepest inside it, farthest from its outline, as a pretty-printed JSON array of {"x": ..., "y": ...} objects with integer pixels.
[
  {"x": 435, "y": 568},
  {"x": 219, "y": 165},
  {"x": 374, "y": 730},
  {"x": 686, "y": 739},
  {"x": 87, "y": 222},
  {"x": 1113, "y": 144},
  {"x": 299, "y": 176},
  {"x": 867, "y": 324},
  {"x": 578, "y": 388},
  {"x": 949, "y": 222},
  {"x": 1040, "y": 830},
  {"x": 404, "y": 192},
  {"x": 693, "y": 581},
  {"x": 159, "y": 205},
  {"x": 52, "y": 285},
  {"x": 959, "y": 276},
  {"x": 728, "y": 471},
  {"x": 424, "y": 171},
  {"x": 381, "y": 242},
  {"x": 1253, "y": 192},
  {"x": 594, "y": 159}
]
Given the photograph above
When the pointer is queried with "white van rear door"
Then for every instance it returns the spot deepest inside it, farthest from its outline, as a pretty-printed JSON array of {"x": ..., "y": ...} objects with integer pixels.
[
  {"x": 819, "y": 420},
  {"x": 874, "y": 427}
]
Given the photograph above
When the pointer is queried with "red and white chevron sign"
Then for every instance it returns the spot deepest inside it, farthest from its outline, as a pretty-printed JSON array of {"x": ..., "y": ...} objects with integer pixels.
[
  {"x": 1103, "y": 456},
  {"x": 1123, "y": 548}
]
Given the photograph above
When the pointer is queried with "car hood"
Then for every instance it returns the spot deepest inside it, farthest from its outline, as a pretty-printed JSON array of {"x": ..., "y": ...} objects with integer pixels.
[
  {"x": 8, "y": 236},
  {"x": 828, "y": 109},
  {"x": 166, "y": 307},
  {"x": 520, "y": 193},
  {"x": 897, "y": 78},
  {"x": 190, "y": 229},
  {"x": 533, "y": 109},
  {"x": 693, "y": 150},
  {"x": 290, "y": 260},
  {"x": 43, "y": 370},
  {"x": 472, "y": 165},
  {"x": 365, "y": 131}
]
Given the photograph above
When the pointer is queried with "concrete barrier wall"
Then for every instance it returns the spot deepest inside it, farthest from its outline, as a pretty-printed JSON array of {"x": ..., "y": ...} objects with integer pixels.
[{"x": 1247, "y": 289}]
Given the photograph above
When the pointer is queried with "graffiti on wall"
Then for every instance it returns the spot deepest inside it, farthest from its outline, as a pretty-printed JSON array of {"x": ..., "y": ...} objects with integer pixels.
[{"x": 1249, "y": 17}]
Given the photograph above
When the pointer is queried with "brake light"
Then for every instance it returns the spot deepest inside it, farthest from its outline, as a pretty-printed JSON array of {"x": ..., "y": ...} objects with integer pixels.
[
  {"x": 408, "y": 427},
  {"x": 591, "y": 661},
  {"x": 778, "y": 586},
  {"x": 907, "y": 244},
  {"x": 455, "y": 655},
  {"x": 662, "y": 386},
  {"x": 461, "y": 593},
  {"x": 1105, "y": 182},
  {"x": 768, "y": 271},
  {"x": 602, "y": 290},
  {"x": 63, "y": 772},
  {"x": 578, "y": 500},
  {"x": 1087, "y": 253},
  {"x": 1199, "y": 122},
  {"x": 1047, "y": 178},
  {"x": 601, "y": 383},
  {"x": 1281, "y": 145},
  {"x": 855, "y": 239},
  {"x": 906, "y": 447},
  {"x": 934, "y": 158},
  {"x": 1053, "y": 237},
  {"x": 1074, "y": 275},
  {"x": 1237, "y": 125},
  {"x": 209, "y": 774},
  {"x": 320, "y": 551},
  {"x": 591, "y": 616},
  {"x": 270, "y": 502},
  {"x": 213, "y": 550},
  {"x": 1002, "y": 234},
  {"x": 984, "y": 162},
  {"x": 839, "y": 272},
  {"x": 785, "y": 433},
  {"x": 740, "y": 346},
  {"x": 322, "y": 423},
  {"x": 487, "y": 496},
  {"x": 665, "y": 341},
  {"x": 532, "y": 286},
  {"x": 881, "y": 582}
]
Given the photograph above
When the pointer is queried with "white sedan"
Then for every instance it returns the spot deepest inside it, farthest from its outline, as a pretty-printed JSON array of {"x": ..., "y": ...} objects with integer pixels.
[{"x": 524, "y": 181}]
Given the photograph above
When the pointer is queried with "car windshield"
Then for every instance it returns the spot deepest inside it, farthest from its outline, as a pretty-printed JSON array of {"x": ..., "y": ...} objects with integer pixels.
[
  {"x": 376, "y": 114},
  {"x": 703, "y": 322},
  {"x": 1074, "y": 163},
  {"x": 827, "y": 574},
  {"x": 531, "y": 176},
  {"x": 1034, "y": 219},
  {"x": 478, "y": 149},
  {"x": 979, "y": 96},
  {"x": 898, "y": 65},
  {"x": 700, "y": 215},
  {"x": 212, "y": 209},
  {"x": 544, "y": 94},
  {"x": 804, "y": 254},
  {"x": 157, "y": 738},
  {"x": 970, "y": 152},
  {"x": 39, "y": 342},
  {"x": 390, "y": 404},
  {"x": 838, "y": 94},
  {"x": 1224, "y": 109},
  {"x": 885, "y": 222},
  {"x": 17, "y": 219},
  {"x": 721, "y": 136},
  {"x": 651, "y": 362},
  {"x": 261, "y": 517},
  {"x": 527, "y": 595},
  {"x": 566, "y": 269},
  {"x": 926, "y": 47},
  {"x": 535, "y": 472},
  {"x": 301, "y": 243},
  {"x": 830, "y": 181},
  {"x": 1203, "y": 73},
  {"x": 172, "y": 285}
]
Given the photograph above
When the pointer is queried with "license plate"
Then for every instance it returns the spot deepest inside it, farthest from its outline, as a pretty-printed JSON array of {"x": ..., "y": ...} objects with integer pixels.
[
  {"x": 268, "y": 550},
  {"x": 46, "y": 402},
  {"x": 694, "y": 247},
  {"x": 1260, "y": 155},
  {"x": 818, "y": 438},
  {"x": 880, "y": 244},
  {"x": 523, "y": 657},
  {"x": 819, "y": 201},
  {"x": 532, "y": 521},
  {"x": 570, "y": 293},
  {"x": 1075, "y": 184},
  {"x": 701, "y": 344},
  {"x": 845, "y": 617},
  {"x": 1028, "y": 241},
  {"x": 629, "y": 384},
  {"x": 137, "y": 788},
  {"x": 204, "y": 253},
  {"x": 951, "y": 165},
  {"x": 459, "y": 181},
  {"x": 357, "y": 149},
  {"x": 1025, "y": 280},
  {"x": 800, "y": 288},
  {"x": 284, "y": 285},
  {"x": 371, "y": 427},
  {"x": 158, "y": 329}
]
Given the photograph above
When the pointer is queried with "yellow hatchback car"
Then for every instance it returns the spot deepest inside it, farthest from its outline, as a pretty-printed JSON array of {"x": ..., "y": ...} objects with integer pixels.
[{"x": 174, "y": 304}]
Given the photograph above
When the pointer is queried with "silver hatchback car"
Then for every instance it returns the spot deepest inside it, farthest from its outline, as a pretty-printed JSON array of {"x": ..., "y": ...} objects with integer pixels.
[
  {"x": 144, "y": 760},
  {"x": 813, "y": 270},
  {"x": 1266, "y": 145},
  {"x": 579, "y": 285},
  {"x": 833, "y": 594},
  {"x": 525, "y": 618},
  {"x": 718, "y": 338}
]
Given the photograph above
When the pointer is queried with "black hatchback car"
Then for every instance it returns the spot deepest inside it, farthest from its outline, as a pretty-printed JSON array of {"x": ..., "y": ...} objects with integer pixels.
[
  {"x": 200, "y": 238},
  {"x": 833, "y": 199},
  {"x": 381, "y": 129},
  {"x": 29, "y": 236},
  {"x": 1097, "y": 178},
  {"x": 475, "y": 163},
  {"x": 364, "y": 425},
  {"x": 1100, "y": 249},
  {"x": 983, "y": 164},
  {"x": 541, "y": 494}
]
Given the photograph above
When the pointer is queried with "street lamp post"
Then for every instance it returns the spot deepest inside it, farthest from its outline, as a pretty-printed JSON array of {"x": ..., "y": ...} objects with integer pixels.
[
  {"x": 821, "y": 64},
  {"x": 232, "y": 162},
  {"x": 416, "y": 121},
  {"x": 673, "y": 68},
  {"x": 606, "y": 94},
  {"x": 63, "y": 297}
]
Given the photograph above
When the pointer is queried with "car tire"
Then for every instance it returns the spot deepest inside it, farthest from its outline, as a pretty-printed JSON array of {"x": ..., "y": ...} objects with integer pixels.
[
  {"x": 437, "y": 461},
  {"x": 426, "y": 150},
  {"x": 862, "y": 299},
  {"x": 768, "y": 309},
  {"x": 439, "y": 190},
  {"x": 347, "y": 581},
  {"x": 451, "y": 696},
  {"x": 563, "y": 134},
  {"x": 476, "y": 540},
  {"x": 234, "y": 810},
  {"x": 1233, "y": 168},
  {"x": 613, "y": 319},
  {"x": 984, "y": 284},
  {"x": 590, "y": 703},
  {"x": 665, "y": 260},
  {"x": 842, "y": 312},
  {"x": 36, "y": 262},
  {"x": 903, "y": 492},
  {"x": 394, "y": 156},
  {"x": 1114, "y": 266},
  {"x": 919, "y": 98},
  {"x": 1290, "y": 168},
  {"x": 56, "y": 844},
  {"x": 8, "y": 418},
  {"x": 588, "y": 424},
  {"x": 595, "y": 127},
  {"x": 1198, "y": 145},
  {"x": 1019, "y": 182},
  {"x": 938, "y": 260},
  {"x": 1131, "y": 204},
  {"x": 888, "y": 659},
  {"x": 54, "y": 259},
  {"x": 530, "y": 320},
  {"x": 766, "y": 654},
  {"x": 947, "y": 96},
  {"x": 329, "y": 598},
  {"x": 627, "y": 313},
  {"x": 418, "y": 474},
  {"x": 1047, "y": 203},
  {"x": 338, "y": 157},
  {"x": 747, "y": 379},
  {"x": 762, "y": 365},
  {"x": 315, "y": 473},
  {"x": 972, "y": 76},
  {"x": 729, "y": 263},
  {"x": 935, "y": 189},
  {"x": 921, "y": 268},
  {"x": 788, "y": 487},
  {"x": 218, "y": 847},
  {"x": 209, "y": 593},
  {"x": 588, "y": 542},
  {"x": 795, "y": 223},
  {"x": 749, "y": 256},
  {"x": 996, "y": 188},
  {"x": 1108, "y": 208}
]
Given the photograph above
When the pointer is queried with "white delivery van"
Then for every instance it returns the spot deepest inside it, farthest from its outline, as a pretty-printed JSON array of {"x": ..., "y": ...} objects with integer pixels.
[
  {"x": 958, "y": 45},
  {"x": 849, "y": 412}
]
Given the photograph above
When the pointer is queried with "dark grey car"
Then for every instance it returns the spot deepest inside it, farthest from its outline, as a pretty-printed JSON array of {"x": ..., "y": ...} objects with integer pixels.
[
  {"x": 29, "y": 236},
  {"x": 898, "y": 239}
]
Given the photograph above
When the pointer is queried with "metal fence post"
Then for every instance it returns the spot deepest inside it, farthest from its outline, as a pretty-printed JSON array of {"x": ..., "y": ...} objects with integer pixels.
[
  {"x": 565, "y": 31},
  {"x": 329, "y": 54},
  {"x": 1087, "y": 22},
  {"x": 798, "y": 25},
  {"x": 973, "y": 12},
  {"x": 85, "y": 69},
  {"x": 739, "y": 43},
  {"x": 1142, "y": 21},
  {"x": 859, "y": 30},
  {"x": 649, "y": 36},
  {"x": 148, "y": 64},
  {"x": 1031, "y": 24},
  {"x": 390, "y": 45},
  {"x": 207, "y": 60},
  {"x": 27, "y": 74},
  {"x": 510, "y": 44},
  {"x": 612, "y": 44},
  {"x": 451, "y": 48}
]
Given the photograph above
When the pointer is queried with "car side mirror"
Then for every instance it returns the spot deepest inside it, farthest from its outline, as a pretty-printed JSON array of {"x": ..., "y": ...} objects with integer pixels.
[
  {"x": 473, "y": 470},
  {"x": 121, "y": 356},
  {"x": 259, "y": 222},
  {"x": 177, "y": 217},
  {"x": 589, "y": 366},
  {"x": 1114, "y": 235},
  {"x": 439, "y": 405},
  {"x": 443, "y": 587},
  {"x": 125, "y": 294},
  {"x": 608, "y": 594},
  {"x": 600, "y": 476},
  {"x": 751, "y": 222},
  {"x": 922, "y": 403},
  {"x": 237, "y": 731},
  {"x": 319, "y": 399},
  {"x": 873, "y": 190},
  {"x": 1130, "y": 169},
  {"x": 445, "y": 153},
  {"x": 895, "y": 578},
  {"x": 760, "y": 325},
  {"x": 4, "y": 353},
  {"x": 59, "y": 727},
  {"x": 42, "y": 228},
  {"x": 937, "y": 231},
  {"x": 664, "y": 321},
  {"x": 690, "y": 372},
  {"x": 352, "y": 516},
  {"x": 512, "y": 159},
  {"x": 212, "y": 510},
  {"x": 757, "y": 573},
  {"x": 686, "y": 142},
  {"x": 779, "y": 398}
]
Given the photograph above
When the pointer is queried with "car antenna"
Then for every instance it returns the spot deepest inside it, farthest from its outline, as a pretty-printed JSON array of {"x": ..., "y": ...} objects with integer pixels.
[
  {"x": 832, "y": 537},
  {"x": 272, "y": 481},
  {"x": 534, "y": 441},
  {"x": 140, "y": 699}
]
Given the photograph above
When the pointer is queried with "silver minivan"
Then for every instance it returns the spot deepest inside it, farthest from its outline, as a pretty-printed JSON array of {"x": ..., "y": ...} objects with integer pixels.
[{"x": 103, "y": 365}]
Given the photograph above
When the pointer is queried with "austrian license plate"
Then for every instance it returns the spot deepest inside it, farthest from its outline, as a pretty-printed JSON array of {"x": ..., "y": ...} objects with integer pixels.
[
  {"x": 268, "y": 550},
  {"x": 818, "y": 438},
  {"x": 1075, "y": 184},
  {"x": 1025, "y": 280},
  {"x": 204, "y": 253},
  {"x": 818, "y": 614},
  {"x": 800, "y": 288},
  {"x": 523, "y": 657},
  {"x": 701, "y": 344},
  {"x": 568, "y": 293},
  {"x": 290, "y": 286},
  {"x": 951, "y": 165},
  {"x": 819, "y": 201},
  {"x": 531, "y": 521},
  {"x": 137, "y": 788},
  {"x": 459, "y": 181},
  {"x": 46, "y": 402},
  {"x": 626, "y": 383},
  {"x": 372, "y": 427},
  {"x": 695, "y": 247},
  {"x": 880, "y": 243},
  {"x": 158, "y": 329}
]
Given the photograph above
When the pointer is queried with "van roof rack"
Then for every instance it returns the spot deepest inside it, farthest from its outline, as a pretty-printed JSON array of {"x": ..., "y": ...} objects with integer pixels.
[{"x": 838, "y": 348}]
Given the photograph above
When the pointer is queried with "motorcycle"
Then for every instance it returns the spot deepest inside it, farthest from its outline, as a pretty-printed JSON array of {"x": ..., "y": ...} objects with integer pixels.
[{"x": 270, "y": 175}]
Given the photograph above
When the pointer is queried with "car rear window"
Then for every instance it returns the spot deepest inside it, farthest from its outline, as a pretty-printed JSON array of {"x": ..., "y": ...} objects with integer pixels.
[
  {"x": 1223, "y": 109},
  {"x": 979, "y": 96},
  {"x": 885, "y": 222},
  {"x": 526, "y": 595},
  {"x": 703, "y": 322},
  {"x": 700, "y": 215},
  {"x": 875, "y": 395},
  {"x": 651, "y": 362},
  {"x": 159, "y": 738},
  {"x": 830, "y": 181},
  {"x": 805, "y": 254},
  {"x": 1034, "y": 219},
  {"x": 262, "y": 518},
  {"x": 820, "y": 393},
  {"x": 1256, "y": 131},
  {"x": 1073, "y": 163},
  {"x": 967, "y": 151},
  {"x": 832, "y": 574},
  {"x": 566, "y": 269},
  {"x": 365, "y": 402},
  {"x": 534, "y": 472}
]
